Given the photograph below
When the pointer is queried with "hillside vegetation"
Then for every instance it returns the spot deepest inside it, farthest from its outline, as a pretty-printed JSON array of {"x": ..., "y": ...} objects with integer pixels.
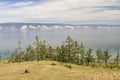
[
  {"x": 70, "y": 51},
  {"x": 67, "y": 61},
  {"x": 52, "y": 70}
]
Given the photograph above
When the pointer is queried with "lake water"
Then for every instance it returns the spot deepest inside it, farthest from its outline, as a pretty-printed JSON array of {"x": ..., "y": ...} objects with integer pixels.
[{"x": 93, "y": 37}]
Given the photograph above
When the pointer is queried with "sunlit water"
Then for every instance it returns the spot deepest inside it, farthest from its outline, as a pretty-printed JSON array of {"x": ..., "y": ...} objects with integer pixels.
[{"x": 95, "y": 38}]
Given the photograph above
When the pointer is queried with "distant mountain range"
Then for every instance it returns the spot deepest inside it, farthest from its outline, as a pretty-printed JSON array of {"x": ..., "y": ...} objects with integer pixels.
[
  {"x": 20, "y": 24},
  {"x": 13, "y": 27}
]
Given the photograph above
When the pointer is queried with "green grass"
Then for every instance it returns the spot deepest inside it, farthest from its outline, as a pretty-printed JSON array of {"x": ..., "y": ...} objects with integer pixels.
[{"x": 43, "y": 70}]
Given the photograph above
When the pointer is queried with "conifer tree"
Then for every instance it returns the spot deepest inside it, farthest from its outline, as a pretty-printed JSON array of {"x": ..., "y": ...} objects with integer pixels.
[
  {"x": 99, "y": 55},
  {"x": 106, "y": 56}
]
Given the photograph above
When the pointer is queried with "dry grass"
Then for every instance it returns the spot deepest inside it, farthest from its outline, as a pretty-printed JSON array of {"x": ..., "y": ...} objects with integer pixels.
[{"x": 43, "y": 70}]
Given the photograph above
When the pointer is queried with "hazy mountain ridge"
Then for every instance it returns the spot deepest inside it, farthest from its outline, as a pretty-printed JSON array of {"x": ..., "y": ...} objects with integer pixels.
[{"x": 13, "y": 27}]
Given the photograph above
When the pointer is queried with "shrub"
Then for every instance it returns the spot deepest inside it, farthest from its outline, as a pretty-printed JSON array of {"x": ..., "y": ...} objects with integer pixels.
[
  {"x": 68, "y": 66},
  {"x": 93, "y": 65},
  {"x": 53, "y": 64}
]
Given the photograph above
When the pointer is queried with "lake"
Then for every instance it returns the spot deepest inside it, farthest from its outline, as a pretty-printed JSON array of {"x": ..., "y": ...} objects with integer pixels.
[{"x": 95, "y": 37}]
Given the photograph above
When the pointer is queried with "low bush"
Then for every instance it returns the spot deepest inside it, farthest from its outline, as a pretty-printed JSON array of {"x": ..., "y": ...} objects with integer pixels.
[
  {"x": 68, "y": 66},
  {"x": 53, "y": 64}
]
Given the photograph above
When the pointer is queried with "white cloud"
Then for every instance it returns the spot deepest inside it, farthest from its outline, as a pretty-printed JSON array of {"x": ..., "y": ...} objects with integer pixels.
[
  {"x": 21, "y": 4},
  {"x": 24, "y": 28},
  {"x": 63, "y": 10}
]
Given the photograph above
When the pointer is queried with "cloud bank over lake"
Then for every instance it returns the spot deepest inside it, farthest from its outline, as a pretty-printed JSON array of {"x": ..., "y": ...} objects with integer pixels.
[{"x": 46, "y": 27}]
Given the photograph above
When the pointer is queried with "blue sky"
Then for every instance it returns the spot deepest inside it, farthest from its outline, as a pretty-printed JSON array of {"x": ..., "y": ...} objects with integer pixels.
[{"x": 60, "y": 11}]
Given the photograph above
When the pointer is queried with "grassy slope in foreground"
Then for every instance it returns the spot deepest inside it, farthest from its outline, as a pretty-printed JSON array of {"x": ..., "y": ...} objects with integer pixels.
[{"x": 43, "y": 70}]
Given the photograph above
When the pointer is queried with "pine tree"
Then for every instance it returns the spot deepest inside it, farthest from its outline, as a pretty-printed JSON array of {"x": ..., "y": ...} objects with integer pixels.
[
  {"x": 69, "y": 45},
  {"x": 106, "y": 56},
  {"x": 99, "y": 55},
  {"x": 36, "y": 46},
  {"x": 82, "y": 54},
  {"x": 29, "y": 56},
  {"x": 89, "y": 56},
  {"x": 76, "y": 52},
  {"x": 50, "y": 52},
  {"x": 117, "y": 59},
  {"x": 43, "y": 50}
]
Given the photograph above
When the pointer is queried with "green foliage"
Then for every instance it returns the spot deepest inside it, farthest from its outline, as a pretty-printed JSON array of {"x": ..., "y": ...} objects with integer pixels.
[
  {"x": 69, "y": 46},
  {"x": 70, "y": 51},
  {"x": 53, "y": 64},
  {"x": 117, "y": 60},
  {"x": 93, "y": 65},
  {"x": 61, "y": 53},
  {"x": 111, "y": 66},
  {"x": 99, "y": 55},
  {"x": 50, "y": 52},
  {"x": 68, "y": 66},
  {"x": 106, "y": 56},
  {"x": 29, "y": 55},
  {"x": 89, "y": 57}
]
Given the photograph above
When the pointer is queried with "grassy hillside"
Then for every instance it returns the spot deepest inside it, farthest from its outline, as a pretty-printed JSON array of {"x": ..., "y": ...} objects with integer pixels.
[{"x": 43, "y": 70}]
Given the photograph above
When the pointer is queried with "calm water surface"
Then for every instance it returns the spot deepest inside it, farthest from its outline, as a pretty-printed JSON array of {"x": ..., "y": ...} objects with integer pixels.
[{"x": 92, "y": 38}]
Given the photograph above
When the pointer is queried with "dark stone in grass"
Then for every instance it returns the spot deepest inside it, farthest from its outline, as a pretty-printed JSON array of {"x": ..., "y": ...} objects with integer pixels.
[{"x": 26, "y": 71}]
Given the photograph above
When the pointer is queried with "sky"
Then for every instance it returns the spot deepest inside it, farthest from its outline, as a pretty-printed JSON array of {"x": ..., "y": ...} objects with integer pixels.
[{"x": 60, "y": 11}]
